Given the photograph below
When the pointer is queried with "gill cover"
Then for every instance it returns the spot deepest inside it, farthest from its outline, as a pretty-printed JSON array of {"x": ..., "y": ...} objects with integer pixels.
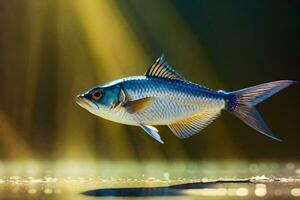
[{"x": 113, "y": 96}]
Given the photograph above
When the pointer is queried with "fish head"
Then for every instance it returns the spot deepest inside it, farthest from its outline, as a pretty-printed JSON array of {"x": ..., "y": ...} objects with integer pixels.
[{"x": 102, "y": 99}]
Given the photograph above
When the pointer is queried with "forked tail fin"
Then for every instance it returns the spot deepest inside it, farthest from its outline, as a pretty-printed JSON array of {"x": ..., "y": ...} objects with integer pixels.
[{"x": 241, "y": 103}]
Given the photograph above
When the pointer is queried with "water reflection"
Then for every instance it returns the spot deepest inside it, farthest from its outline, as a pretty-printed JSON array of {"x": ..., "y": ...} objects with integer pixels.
[
  {"x": 174, "y": 190},
  {"x": 134, "y": 192}
]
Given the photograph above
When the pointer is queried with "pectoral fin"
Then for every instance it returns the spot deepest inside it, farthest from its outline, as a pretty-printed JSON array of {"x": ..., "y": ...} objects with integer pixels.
[
  {"x": 138, "y": 105},
  {"x": 193, "y": 125},
  {"x": 152, "y": 131}
]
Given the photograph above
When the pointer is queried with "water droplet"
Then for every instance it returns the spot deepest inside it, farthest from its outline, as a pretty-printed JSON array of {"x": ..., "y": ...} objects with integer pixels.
[
  {"x": 48, "y": 191},
  {"x": 32, "y": 191},
  {"x": 151, "y": 179},
  {"x": 15, "y": 177},
  {"x": 295, "y": 192},
  {"x": 260, "y": 192},
  {"x": 242, "y": 192}
]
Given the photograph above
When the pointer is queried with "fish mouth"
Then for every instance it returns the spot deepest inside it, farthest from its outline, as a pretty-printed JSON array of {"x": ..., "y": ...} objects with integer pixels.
[{"x": 85, "y": 103}]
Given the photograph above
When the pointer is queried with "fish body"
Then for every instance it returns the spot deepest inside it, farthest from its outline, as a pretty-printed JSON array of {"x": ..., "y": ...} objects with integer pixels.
[
  {"x": 173, "y": 100},
  {"x": 164, "y": 97}
]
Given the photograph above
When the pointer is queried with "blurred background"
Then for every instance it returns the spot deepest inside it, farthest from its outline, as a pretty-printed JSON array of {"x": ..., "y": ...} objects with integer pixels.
[{"x": 52, "y": 50}]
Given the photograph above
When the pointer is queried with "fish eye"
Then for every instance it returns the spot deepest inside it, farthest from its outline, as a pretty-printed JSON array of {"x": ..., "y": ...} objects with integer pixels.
[{"x": 98, "y": 94}]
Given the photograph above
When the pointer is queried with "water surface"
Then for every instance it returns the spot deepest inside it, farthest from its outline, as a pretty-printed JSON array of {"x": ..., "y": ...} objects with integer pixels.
[{"x": 155, "y": 180}]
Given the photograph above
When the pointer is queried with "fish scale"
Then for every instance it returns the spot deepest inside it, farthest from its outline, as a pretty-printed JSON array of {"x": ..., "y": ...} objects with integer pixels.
[{"x": 181, "y": 98}]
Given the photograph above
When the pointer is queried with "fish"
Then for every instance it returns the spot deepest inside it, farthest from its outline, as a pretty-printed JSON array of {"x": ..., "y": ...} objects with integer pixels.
[{"x": 162, "y": 96}]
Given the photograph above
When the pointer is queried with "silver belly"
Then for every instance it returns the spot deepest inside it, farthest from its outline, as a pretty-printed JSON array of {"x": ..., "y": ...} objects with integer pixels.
[{"x": 162, "y": 112}]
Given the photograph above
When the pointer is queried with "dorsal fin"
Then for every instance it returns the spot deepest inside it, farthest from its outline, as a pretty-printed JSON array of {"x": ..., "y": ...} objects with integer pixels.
[{"x": 160, "y": 68}]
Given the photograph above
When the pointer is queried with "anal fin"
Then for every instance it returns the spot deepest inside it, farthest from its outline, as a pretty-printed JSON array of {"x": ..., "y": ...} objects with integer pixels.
[{"x": 192, "y": 125}]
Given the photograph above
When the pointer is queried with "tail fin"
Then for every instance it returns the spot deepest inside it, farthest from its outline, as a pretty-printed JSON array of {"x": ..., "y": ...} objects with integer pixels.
[{"x": 241, "y": 103}]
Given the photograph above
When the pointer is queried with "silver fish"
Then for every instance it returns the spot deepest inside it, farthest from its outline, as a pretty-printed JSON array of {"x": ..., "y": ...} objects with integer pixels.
[{"x": 164, "y": 97}]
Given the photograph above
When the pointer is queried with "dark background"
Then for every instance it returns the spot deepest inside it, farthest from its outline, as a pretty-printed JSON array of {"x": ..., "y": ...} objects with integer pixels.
[{"x": 52, "y": 50}]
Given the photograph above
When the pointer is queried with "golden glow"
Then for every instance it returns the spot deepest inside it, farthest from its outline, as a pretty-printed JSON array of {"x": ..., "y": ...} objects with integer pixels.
[
  {"x": 11, "y": 142},
  {"x": 110, "y": 38}
]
